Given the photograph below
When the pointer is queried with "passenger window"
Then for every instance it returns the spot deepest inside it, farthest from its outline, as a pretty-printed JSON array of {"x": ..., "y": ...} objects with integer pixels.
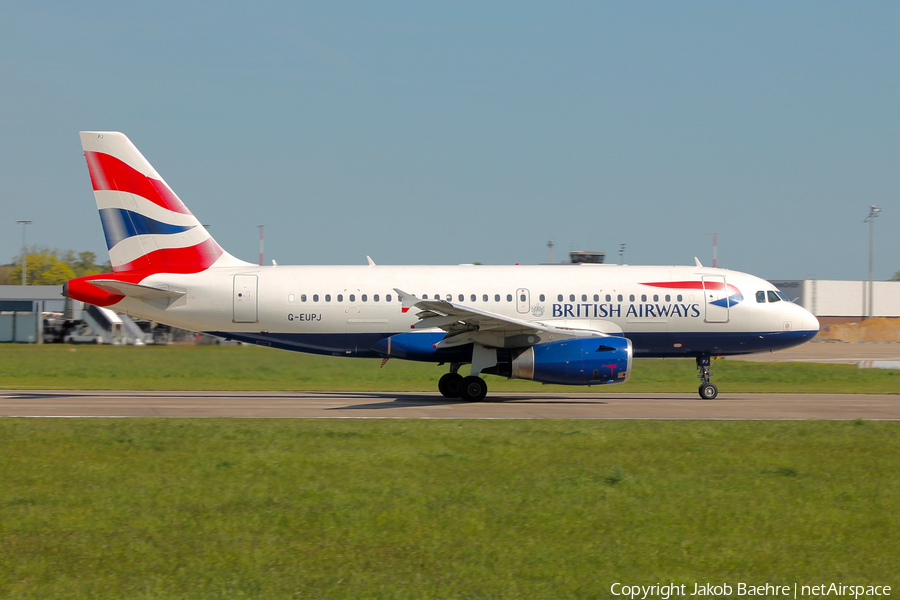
[
  {"x": 760, "y": 297},
  {"x": 571, "y": 297},
  {"x": 327, "y": 297},
  {"x": 302, "y": 297},
  {"x": 596, "y": 297},
  {"x": 522, "y": 298},
  {"x": 678, "y": 297},
  {"x": 388, "y": 298},
  {"x": 559, "y": 298},
  {"x": 340, "y": 297},
  {"x": 473, "y": 297},
  {"x": 462, "y": 298},
  {"x": 484, "y": 297},
  {"x": 584, "y": 297},
  {"x": 608, "y": 297},
  {"x": 668, "y": 298},
  {"x": 542, "y": 297},
  {"x": 496, "y": 297},
  {"x": 315, "y": 297},
  {"x": 352, "y": 297},
  {"x": 375, "y": 298},
  {"x": 619, "y": 297},
  {"x": 364, "y": 298},
  {"x": 643, "y": 297},
  {"x": 437, "y": 296},
  {"x": 773, "y": 297},
  {"x": 631, "y": 298},
  {"x": 290, "y": 297},
  {"x": 656, "y": 297}
]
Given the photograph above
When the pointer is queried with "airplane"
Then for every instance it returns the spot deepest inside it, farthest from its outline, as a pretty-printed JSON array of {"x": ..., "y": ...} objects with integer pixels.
[{"x": 580, "y": 324}]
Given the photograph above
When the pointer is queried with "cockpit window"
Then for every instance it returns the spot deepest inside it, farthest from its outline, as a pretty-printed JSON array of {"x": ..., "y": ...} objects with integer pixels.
[
  {"x": 760, "y": 296},
  {"x": 773, "y": 296},
  {"x": 782, "y": 296}
]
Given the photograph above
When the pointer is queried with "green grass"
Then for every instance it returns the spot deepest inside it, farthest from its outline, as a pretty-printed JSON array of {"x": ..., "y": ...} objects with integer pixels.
[
  {"x": 252, "y": 368},
  {"x": 174, "y": 508}
]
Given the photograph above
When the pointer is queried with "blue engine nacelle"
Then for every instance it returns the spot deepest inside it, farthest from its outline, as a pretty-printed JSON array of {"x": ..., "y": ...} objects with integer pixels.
[{"x": 579, "y": 361}]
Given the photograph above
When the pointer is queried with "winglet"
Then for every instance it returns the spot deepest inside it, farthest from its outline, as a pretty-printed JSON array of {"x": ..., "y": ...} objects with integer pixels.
[
  {"x": 371, "y": 262},
  {"x": 408, "y": 300},
  {"x": 697, "y": 262}
]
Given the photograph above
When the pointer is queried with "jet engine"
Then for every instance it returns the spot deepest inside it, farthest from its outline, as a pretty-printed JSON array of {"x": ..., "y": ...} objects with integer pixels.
[{"x": 579, "y": 361}]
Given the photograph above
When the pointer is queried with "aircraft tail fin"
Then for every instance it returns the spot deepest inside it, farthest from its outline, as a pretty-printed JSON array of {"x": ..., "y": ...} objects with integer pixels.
[{"x": 147, "y": 227}]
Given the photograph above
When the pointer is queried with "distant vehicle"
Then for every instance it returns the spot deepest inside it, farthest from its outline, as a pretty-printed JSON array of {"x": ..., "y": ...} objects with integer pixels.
[{"x": 581, "y": 324}]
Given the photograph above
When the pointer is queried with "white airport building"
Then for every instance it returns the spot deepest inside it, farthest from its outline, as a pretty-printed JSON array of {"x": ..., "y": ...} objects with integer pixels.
[{"x": 841, "y": 301}]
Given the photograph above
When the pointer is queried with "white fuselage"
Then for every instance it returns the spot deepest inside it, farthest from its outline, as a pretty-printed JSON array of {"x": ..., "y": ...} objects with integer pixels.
[{"x": 346, "y": 309}]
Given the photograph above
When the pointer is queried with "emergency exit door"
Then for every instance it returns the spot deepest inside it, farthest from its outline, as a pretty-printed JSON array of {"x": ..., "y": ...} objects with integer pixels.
[
  {"x": 523, "y": 303},
  {"x": 245, "y": 301}
]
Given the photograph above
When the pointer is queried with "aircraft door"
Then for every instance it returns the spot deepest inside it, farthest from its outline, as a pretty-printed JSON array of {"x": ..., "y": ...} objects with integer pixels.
[
  {"x": 715, "y": 298},
  {"x": 523, "y": 301},
  {"x": 245, "y": 300}
]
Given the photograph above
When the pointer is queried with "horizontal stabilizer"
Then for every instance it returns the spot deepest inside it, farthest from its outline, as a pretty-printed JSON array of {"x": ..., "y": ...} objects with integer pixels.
[{"x": 134, "y": 290}]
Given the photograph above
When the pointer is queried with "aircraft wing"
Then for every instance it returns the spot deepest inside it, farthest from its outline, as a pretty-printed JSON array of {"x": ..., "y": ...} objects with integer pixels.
[{"x": 465, "y": 325}]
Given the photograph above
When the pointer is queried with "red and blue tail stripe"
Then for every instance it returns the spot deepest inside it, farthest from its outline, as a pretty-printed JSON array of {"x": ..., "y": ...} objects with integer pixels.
[{"x": 147, "y": 227}]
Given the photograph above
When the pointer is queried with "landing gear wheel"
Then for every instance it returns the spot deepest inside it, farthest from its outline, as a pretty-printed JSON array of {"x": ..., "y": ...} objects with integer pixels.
[
  {"x": 708, "y": 391},
  {"x": 472, "y": 389},
  {"x": 448, "y": 385}
]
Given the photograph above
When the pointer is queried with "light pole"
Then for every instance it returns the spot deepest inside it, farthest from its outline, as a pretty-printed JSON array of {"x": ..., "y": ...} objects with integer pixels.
[
  {"x": 715, "y": 249},
  {"x": 24, "y": 224},
  {"x": 261, "y": 228},
  {"x": 873, "y": 214}
]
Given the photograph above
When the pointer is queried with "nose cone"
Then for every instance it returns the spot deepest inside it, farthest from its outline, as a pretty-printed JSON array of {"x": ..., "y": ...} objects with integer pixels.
[
  {"x": 808, "y": 324},
  {"x": 811, "y": 323}
]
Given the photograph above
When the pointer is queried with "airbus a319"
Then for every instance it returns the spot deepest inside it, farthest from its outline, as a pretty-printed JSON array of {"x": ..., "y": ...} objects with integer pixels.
[{"x": 575, "y": 325}]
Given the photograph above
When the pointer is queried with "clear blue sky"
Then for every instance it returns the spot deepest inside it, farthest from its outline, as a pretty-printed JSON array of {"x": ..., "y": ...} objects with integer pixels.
[{"x": 428, "y": 132}]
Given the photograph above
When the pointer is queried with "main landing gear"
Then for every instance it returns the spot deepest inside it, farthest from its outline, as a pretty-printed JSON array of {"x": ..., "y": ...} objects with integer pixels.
[
  {"x": 468, "y": 389},
  {"x": 707, "y": 390},
  {"x": 448, "y": 385}
]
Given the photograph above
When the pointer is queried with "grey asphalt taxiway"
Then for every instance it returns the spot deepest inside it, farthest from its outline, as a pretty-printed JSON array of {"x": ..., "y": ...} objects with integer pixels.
[
  {"x": 34, "y": 403},
  {"x": 498, "y": 405}
]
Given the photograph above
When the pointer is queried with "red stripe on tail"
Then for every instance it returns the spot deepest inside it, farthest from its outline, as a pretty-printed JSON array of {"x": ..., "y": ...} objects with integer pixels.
[
  {"x": 192, "y": 259},
  {"x": 110, "y": 173}
]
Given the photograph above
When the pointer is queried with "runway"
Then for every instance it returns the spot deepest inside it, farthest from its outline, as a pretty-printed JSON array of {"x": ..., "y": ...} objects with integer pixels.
[
  {"x": 60, "y": 403},
  {"x": 836, "y": 353}
]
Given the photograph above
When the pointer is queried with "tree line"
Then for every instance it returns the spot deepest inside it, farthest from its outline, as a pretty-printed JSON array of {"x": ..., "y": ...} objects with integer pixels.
[{"x": 45, "y": 266}]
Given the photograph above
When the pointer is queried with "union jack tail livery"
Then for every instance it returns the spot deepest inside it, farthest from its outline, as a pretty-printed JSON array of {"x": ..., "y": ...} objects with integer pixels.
[{"x": 147, "y": 227}]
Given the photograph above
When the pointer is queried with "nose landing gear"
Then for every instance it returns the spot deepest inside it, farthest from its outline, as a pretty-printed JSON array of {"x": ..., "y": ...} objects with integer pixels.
[{"x": 707, "y": 390}]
